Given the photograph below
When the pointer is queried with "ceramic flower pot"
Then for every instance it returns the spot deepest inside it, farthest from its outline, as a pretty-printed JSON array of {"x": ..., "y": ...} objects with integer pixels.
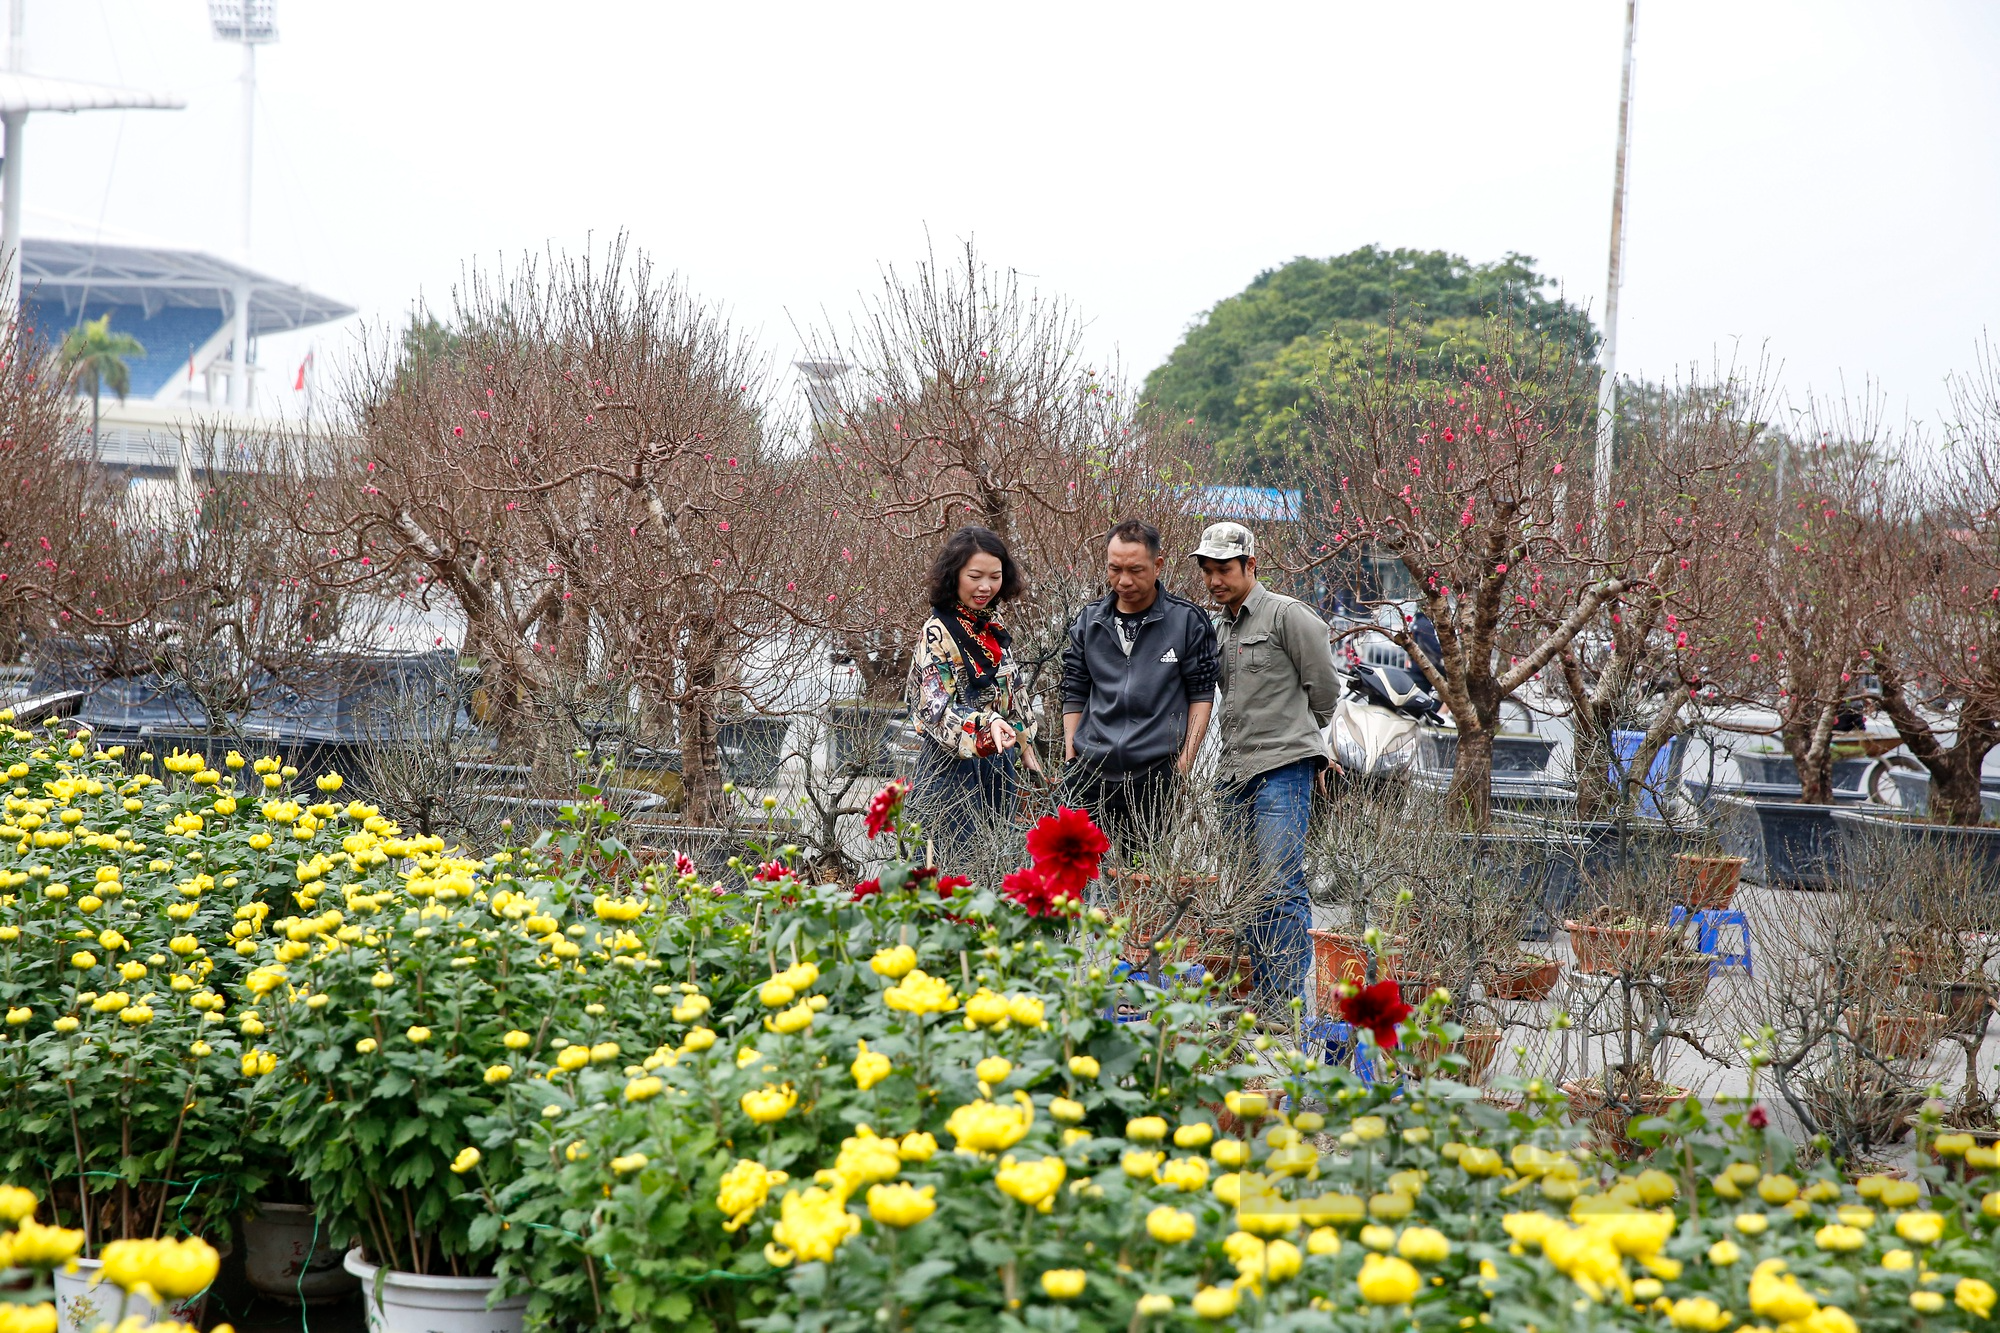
[
  {"x": 83, "y": 1302},
  {"x": 419, "y": 1303},
  {"x": 1684, "y": 978},
  {"x": 287, "y": 1256},
  {"x": 1966, "y": 1005},
  {"x": 1477, "y": 1045}
]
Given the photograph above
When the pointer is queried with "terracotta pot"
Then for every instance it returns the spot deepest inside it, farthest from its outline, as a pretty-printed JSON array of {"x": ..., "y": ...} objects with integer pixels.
[
  {"x": 1529, "y": 982},
  {"x": 1609, "y": 1122},
  {"x": 1240, "y": 984},
  {"x": 1924, "y": 964},
  {"x": 1966, "y": 1005},
  {"x": 1611, "y": 948},
  {"x": 1227, "y": 1122},
  {"x": 1901, "y": 1036},
  {"x": 1706, "y": 883},
  {"x": 1685, "y": 980},
  {"x": 1338, "y": 958},
  {"x": 1144, "y": 902},
  {"x": 1478, "y": 1046}
]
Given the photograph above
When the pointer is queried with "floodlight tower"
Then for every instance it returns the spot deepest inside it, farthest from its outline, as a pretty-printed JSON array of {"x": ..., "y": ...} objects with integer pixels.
[
  {"x": 252, "y": 23},
  {"x": 22, "y": 93}
]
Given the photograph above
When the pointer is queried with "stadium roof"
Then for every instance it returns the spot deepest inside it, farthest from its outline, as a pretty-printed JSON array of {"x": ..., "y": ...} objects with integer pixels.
[
  {"x": 1245, "y": 503},
  {"x": 38, "y": 92},
  {"x": 76, "y": 273}
]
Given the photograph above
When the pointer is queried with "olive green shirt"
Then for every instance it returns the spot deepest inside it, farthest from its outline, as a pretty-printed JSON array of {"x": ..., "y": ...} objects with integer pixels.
[{"x": 1278, "y": 685}]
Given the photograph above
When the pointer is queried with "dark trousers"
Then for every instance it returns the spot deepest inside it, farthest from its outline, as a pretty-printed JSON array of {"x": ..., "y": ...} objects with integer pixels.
[
  {"x": 1269, "y": 813},
  {"x": 966, "y": 807},
  {"x": 1132, "y": 808}
]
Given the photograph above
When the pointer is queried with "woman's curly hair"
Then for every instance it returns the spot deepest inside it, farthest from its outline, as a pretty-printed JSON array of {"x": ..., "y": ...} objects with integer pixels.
[{"x": 942, "y": 581}]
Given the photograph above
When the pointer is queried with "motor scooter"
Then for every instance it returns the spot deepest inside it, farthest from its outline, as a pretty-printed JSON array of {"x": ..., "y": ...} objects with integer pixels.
[{"x": 1380, "y": 720}]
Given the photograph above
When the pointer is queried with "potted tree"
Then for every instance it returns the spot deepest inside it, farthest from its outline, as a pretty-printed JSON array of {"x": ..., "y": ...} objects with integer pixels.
[
  {"x": 1936, "y": 652},
  {"x": 1472, "y": 475},
  {"x": 1787, "y": 662},
  {"x": 1674, "y": 505}
]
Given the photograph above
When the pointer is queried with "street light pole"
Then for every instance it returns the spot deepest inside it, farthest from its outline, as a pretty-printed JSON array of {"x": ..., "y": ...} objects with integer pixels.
[
  {"x": 15, "y": 125},
  {"x": 239, "y": 359},
  {"x": 251, "y": 22},
  {"x": 1607, "y": 388}
]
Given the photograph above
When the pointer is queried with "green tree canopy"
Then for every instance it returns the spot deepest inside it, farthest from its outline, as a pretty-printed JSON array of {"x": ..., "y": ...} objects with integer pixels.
[{"x": 1246, "y": 368}]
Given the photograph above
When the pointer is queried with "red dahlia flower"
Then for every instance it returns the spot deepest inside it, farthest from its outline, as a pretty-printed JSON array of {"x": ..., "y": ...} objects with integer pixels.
[
  {"x": 888, "y": 803},
  {"x": 1032, "y": 891},
  {"x": 1067, "y": 847},
  {"x": 866, "y": 888},
  {"x": 1378, "y": 1008}
]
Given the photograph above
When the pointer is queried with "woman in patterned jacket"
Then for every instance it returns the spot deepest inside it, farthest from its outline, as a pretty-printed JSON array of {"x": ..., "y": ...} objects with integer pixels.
[{"x": 962, "y": 696}]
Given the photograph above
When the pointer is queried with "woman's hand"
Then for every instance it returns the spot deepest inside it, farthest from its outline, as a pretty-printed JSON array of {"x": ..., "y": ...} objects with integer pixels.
[{"x": 1004, "y": 736}]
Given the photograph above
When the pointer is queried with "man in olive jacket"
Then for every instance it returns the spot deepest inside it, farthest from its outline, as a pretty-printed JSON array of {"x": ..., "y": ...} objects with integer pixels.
[{"x": 1278, "y": 691}]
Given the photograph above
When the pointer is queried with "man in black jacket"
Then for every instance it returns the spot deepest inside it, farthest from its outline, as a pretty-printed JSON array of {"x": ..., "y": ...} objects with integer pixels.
[{"x": 1138, "y": 684}]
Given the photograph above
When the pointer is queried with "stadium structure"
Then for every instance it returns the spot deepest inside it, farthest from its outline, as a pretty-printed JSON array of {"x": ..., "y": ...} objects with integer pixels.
[{"x": 182, "y": 306}]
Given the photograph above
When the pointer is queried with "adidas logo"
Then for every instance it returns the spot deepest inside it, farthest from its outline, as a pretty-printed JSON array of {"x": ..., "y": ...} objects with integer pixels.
[{"x": 1169, "y": 656}]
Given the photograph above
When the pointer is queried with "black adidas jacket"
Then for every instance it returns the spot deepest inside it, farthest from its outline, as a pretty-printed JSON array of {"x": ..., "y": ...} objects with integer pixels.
[{"x": 1135, "y": 709}]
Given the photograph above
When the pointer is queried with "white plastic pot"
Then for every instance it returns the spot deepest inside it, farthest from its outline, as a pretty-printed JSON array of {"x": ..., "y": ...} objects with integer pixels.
[
  {"x": 83, "y": 1303},
  {"x": 416, "y": 1303},
  {"x": 286, "y": 1256}
]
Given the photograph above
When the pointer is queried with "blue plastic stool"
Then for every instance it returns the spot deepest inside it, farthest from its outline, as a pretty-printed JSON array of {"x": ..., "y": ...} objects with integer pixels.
[
  {"x": 1708, "y": 938},
  {"x": 1188, "y": 974},
  {"x": 1339, "y": 1046}
]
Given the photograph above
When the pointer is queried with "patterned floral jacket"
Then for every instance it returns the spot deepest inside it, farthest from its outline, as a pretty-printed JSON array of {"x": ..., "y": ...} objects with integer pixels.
[{"x": 955, "y": 692}]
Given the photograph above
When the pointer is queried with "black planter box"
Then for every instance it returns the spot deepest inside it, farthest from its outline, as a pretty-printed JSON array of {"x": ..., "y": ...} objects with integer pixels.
[
  {"x": 1915, "y": 787},
  {"x": 1513, "y": 756},
  {"x": 1981, "y": 844},
  {"x": 1784, "y": 844}
]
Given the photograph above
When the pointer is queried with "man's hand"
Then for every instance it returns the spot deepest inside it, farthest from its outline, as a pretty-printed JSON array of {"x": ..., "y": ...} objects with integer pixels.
[
  {"x": 1198, "y": 714},
  {"x": 1004, "y": 736}
]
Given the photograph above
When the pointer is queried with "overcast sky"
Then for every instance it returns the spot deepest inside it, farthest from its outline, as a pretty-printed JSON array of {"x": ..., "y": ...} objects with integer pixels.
[{"x": 1815, "y": 179}]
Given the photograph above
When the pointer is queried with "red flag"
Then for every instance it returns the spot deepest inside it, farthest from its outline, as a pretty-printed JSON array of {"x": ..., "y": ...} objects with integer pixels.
[{"x": 301, "y": 384}]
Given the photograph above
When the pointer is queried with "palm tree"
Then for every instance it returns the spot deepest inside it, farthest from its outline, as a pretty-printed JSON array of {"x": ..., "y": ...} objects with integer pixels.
[{"x": 91, "y": 353}]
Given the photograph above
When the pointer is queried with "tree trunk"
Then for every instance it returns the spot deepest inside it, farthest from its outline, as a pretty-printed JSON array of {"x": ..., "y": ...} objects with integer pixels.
[
  {"x": 701, "y": 754},
  {"x": 1955, "y": 784},
  {"x": 1591, "y": 760},
  {"x": 1808, "y": 739},
  {"x": 1640, "y": 767},
  {"x": 1954, "y": 771},
  {"x": 1471, "y": 791}
]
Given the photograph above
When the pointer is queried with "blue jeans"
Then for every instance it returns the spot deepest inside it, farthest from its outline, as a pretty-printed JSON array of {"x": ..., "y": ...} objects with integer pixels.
[{"x": 1279, "y": 804}]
